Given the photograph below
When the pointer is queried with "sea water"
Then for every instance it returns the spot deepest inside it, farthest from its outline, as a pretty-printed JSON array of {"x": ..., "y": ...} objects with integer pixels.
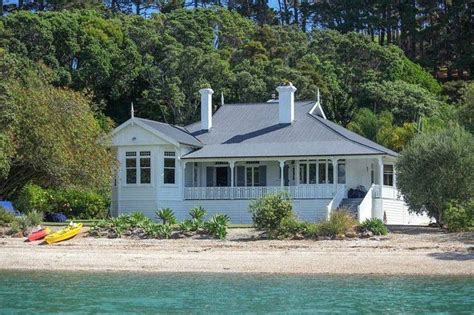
[{"x": 77, "y": 292}]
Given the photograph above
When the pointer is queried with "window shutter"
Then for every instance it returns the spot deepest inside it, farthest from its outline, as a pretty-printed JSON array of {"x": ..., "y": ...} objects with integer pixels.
[
  {"x": 240, "y": 175},
  {"x": 263, "y": 175},
  {"x": 209, "y": 176}
]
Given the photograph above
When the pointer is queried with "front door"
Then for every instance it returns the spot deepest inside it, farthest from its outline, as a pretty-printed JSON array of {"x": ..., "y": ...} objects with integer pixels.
[{"x": 222, "y": 176}]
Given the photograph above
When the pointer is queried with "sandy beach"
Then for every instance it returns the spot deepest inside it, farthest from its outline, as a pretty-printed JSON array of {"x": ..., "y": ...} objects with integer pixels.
[{"x": 418, "y": 252}]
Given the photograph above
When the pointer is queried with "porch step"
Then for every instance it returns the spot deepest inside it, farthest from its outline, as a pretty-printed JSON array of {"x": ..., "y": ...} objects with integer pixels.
[{"x": 350, "y": 205}]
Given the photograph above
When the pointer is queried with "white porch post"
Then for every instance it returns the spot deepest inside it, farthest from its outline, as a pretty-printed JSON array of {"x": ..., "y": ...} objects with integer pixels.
[
  {"x": 334, "y": 173},
  {"x": 394, "y": 177},
  {"x": 380, "y": 162},
  {"x": 282, "y": 171},
  {"x": 297, "y": 173},
  {"x": 232, "y": 165},
  {"x": 184, "y": 179}
]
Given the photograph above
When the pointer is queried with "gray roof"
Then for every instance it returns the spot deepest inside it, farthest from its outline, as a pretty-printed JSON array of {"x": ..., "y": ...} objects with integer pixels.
[
  {"x": 180, "y": 134},
  {"x": 253, "y": 130}
]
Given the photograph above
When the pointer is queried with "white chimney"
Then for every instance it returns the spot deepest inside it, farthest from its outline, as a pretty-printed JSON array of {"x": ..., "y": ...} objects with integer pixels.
[
  {"x": 206, "y": 108},
  {"x": 286, "y": 103}
]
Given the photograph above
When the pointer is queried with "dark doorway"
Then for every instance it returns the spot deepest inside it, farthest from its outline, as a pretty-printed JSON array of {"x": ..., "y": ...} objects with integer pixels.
[{"x": 222, "y": 176}]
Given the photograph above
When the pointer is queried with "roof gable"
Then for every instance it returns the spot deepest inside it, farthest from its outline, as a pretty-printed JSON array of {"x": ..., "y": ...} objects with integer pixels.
[{"x": 134, "y": 132}]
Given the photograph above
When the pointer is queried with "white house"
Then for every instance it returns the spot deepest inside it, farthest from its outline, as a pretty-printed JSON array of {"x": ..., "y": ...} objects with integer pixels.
[{"x": 244, "y": 151}]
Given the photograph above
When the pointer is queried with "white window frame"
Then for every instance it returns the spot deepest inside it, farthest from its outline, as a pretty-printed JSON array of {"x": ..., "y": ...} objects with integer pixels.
[
  {"x": 170, "y": 155},
  {"x": 137, "y": 156},
  {"x": 253, "y": 168},
  {"x": 392, "y": 173}
]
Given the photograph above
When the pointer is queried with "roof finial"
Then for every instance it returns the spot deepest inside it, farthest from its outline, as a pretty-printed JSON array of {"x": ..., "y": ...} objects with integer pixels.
[
  {"x": 318, "y": 97},
  {"x": 132, "y": 112},
  {"x": 222, "y": 98}
]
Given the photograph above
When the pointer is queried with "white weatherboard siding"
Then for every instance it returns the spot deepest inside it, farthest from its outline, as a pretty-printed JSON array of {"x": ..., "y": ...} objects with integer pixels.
[
  {"x": 397, "y": 213},
  {"x": 237, "y": 210}
]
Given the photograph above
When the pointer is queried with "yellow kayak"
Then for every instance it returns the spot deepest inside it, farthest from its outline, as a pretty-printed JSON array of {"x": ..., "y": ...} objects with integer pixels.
[{"x": 72, "y": 230}]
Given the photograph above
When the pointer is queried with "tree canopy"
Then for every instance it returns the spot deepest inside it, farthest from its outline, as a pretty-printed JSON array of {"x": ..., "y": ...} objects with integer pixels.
[
  {"x": 438, "y": 34},
  {"x": 160, "y": 63},
  {"x": 437, "y": 168},
  {"x": 48, "y": 135}
]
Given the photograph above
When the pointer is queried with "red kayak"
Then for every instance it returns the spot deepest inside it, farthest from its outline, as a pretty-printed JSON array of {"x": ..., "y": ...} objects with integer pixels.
[{"x": 37, "y": 235}]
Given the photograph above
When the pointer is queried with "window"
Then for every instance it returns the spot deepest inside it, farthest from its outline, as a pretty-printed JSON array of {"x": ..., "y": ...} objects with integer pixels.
[
  {"x": 322, "y": 172},
  {"x": 308, "y": 171},
  {"x": 388, "y": 175},
  {"x": 131, "y": 167},
  {"x": 341, "y": 172},
  {"x": 252, "y": 176},
  {"x": 145, "y": 167},
  {"x": 312, "y": 173},
  {"x": 330, "y": 173},
  {"x": 132, "y": 162},
  {"x": 303, "y": 174},
  {"x": 372, "y": 174},
  {"x": 169, "y": 171},
  {"x": 325, "y": 172},
  {"x": 195, "y": 175}
]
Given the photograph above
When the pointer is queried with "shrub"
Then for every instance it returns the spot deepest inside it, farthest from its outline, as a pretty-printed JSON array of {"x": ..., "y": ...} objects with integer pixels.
[
  {"x": 339, "y": 223},
  {"x": 35, "y": 217},
  {"x": 166, "y": 215},
  {"x": 460, "y": 217},
  {"x": 375, "y": 226},
  {"x": 311, "y": 230},
  {"x": 14, "y": 228},
  {"x": 217, "y": 226},
  {"x": 197, "y": 218},
  {"x": 290, "y": 227},
  {"x": 5, "y": 217},
  {"x": 163, "y": 231},
  {"x": 197, "y": 213},
  {"x": 80, "y": 203},
  {"x": 23, "y": 223},
  {"x": 73, "y": 202},
  {"x": 186, "y": 226},
  {"x": 269, "y": 211},
  {"x": 33, "y": 197}
]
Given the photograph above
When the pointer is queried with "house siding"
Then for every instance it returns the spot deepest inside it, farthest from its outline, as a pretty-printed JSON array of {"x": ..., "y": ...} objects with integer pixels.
[
  {"x": 395, "y": 212},
  {"x": 237, "y": 210}
]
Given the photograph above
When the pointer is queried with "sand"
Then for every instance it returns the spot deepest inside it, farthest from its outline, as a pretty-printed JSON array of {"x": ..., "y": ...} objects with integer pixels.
[{"x": 405, "y": 251}]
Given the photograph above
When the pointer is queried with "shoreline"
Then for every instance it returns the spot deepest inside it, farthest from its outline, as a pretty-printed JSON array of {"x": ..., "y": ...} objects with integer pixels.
[{"x": 397, "y": 254}]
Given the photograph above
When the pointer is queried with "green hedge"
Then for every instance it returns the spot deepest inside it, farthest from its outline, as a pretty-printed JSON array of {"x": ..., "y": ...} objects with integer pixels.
[{"x": 73, "y": 202}]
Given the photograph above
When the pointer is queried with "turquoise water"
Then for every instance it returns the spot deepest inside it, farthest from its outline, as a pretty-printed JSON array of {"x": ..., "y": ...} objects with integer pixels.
[{"x": 40, "y": 292}]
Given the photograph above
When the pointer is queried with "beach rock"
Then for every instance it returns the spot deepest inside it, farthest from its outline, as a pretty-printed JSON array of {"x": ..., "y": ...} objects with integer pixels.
[
  {"x": 18, "y": 235},
  {"x": 340, "y": 237},
  {"x": 366, "y": 234},
  {"x": 324, "y": 238},
  {"x": 351, "y": 234},
  {"x": 112, "y": 234}
]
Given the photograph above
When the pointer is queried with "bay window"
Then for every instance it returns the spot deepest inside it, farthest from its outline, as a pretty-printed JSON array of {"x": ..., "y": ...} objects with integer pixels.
[{"x": 138, "y": 167}]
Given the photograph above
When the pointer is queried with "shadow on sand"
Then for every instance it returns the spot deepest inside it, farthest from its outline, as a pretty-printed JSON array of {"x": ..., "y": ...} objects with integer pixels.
[{"x": 453, "y": 256}]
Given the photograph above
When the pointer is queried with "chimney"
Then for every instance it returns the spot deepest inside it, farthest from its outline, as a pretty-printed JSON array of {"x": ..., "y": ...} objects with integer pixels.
[
  {"x": 286, "y": 103},
  {"x": 206, "y": 108}
]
